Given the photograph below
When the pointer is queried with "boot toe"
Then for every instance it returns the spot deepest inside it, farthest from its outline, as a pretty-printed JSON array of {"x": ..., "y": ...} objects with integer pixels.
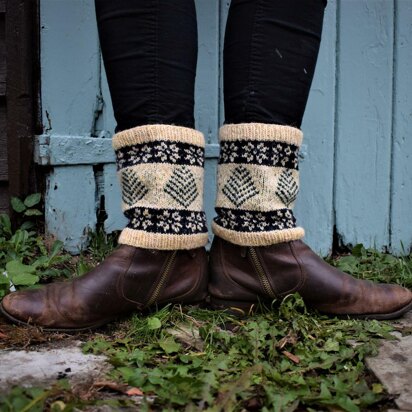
[
  {"x": 402, "y": 298},
  {"x": 23, "y": 306}
]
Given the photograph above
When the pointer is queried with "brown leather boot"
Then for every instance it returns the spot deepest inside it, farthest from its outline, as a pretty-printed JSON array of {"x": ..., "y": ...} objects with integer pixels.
[
  {"x": 129, "y": 280},
  {"x": 242, "y": 276}
]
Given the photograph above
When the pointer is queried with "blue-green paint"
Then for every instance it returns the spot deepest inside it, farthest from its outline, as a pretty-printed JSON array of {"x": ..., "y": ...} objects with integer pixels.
[
  {"x": 314, "y": 208},
  {"x": 401, "y": 187},
  {"x": 363, "y": 150},
  {"x": 356, "y": 171},
  {"x": 70, "y": 210}
]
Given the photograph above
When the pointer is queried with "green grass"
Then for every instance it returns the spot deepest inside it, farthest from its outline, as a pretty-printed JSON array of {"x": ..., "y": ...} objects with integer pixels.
[
  {"x": 282, "y": 359},
  {"x": 279, "y": 360}
]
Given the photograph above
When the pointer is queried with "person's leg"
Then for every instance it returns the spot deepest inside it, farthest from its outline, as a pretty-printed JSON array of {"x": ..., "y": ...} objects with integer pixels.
[
  {"x": 271, "y": 47},
  {"x": 149, "y": 50},
  {"x": 270, "y": 53}
]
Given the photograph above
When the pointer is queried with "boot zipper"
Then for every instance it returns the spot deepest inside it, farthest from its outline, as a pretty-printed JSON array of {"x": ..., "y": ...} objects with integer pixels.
[
  {"x": 168, "y": 265},
  {"x": 261, "y": 273}
]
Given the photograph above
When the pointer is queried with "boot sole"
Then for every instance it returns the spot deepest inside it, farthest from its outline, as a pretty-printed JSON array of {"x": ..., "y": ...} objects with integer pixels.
[
  {"x": 243, "y": 309},
  {"x": 152, "y": 309},
  {"x": 19, "y": 322},
  {"x": 380, "y": 316}
]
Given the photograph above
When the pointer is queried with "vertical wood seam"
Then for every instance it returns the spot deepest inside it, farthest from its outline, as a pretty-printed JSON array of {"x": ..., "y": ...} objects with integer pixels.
[
  {"x": 393, "y": 123},
  {"x": 336, "y": 128}
]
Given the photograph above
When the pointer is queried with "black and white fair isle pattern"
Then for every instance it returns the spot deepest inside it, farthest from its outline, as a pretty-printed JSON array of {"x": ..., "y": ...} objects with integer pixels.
[
  {"x": 263, "y": 153},
  {"x": 254, "y": 221},
  {"x": 160, "y": 152},
  {"x": 287, "y": 188},
  {"x": 167, "y": 221},
  {"x": 181, "y": 187},
  {"x": 133, "y": 189},
  {"x": 240, "y": 186}
]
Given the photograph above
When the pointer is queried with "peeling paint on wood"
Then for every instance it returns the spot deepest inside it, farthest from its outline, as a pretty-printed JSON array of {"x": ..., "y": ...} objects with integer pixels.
[
  {"x": 401, "y": 193},
  {"x": 70, "y": 205},
  {"x": 364, "y": 109}
]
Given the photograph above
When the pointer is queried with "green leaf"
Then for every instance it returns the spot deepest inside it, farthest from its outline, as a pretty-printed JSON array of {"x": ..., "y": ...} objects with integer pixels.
[
  {"x": 358, "y": 250},
  {"x": 5, "y": 223},
  {"x": 24, "y": 279},
  {"x": 56, "y": 248},
  {"x": 21, "y": 274},
  {"x": 27, "y": 225},
  {"x": 331, "y": 346},
  {"x": 169, "y": 345},
  {"x": 4, "y": 280},
  {"x": 32, "y": 200},
  {"x": 154, "y": 323},
  {"x": 33, "y": 212},
  {"x": 17, "y": 205},
  {"x": 348, "y": 264},
  {"x": 377, "y": 388},
  {"x": 324, "y": 391},
  {"x": 15, "y": 267}
]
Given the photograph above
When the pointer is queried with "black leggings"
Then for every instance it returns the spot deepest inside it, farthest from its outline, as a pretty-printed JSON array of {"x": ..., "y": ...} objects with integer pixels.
[{"x": 149, "y": 51}]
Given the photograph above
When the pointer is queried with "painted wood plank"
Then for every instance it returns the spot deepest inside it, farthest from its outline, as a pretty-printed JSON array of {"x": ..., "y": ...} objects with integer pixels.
[
  {"x": 109, "y": 122},
  {"x": 70, "y": 205},
  {"x": 2, "y": 55},
  {"x": 207, "y": 75},
  {"x": 401, "y": 196},
  {"x": 4, "y": 170},
  {"x": 112, "y": 195},
  {"x": 314, "y": 208},
  {"x": 69, "y": 66},
  {"x": 224, "y": 11},
  {"x": 363, "y": 140},
  {"x": 210, "y": 193},
  {"x": 57, "y": 150}
]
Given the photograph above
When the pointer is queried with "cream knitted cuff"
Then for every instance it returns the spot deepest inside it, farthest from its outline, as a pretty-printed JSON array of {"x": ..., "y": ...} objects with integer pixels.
[
  {"x": 160, "y": 168},
  {"x": 258, "y": 182}
]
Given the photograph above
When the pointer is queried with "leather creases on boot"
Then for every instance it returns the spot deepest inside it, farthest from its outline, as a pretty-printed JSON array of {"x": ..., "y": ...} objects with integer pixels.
[
  {"x": 129, "y": 280},
  {"x": 241, "y": 277}
]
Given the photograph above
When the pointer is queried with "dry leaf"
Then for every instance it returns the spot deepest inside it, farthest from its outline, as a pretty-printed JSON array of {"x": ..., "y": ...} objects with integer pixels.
[
  {"x": 293, "y": 358},
  {"x": 290, "y": 338},
  {"x": 114, "y": 386},
  {"x": 134, "y": 392}
]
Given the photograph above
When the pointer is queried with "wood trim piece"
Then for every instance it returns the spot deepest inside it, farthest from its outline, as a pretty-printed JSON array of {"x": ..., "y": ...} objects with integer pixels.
[{"x": 21, "y": 91}]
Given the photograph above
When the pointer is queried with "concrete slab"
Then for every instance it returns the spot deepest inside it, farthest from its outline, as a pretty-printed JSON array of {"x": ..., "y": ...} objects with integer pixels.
[
  {"x": 393, "y": 367},
  {"x": 405, "y": 322},
  {"x": 45, "y": 366}
]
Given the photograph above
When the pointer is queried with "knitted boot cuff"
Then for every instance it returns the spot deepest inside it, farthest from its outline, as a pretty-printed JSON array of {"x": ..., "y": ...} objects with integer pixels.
[
  {"x": 258, "y": 182},
  {"x": 161, "y": 172}
]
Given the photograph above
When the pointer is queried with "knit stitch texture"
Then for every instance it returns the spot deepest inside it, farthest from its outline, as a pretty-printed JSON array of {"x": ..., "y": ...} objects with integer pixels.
[
  {"x": 161, "y": 172},
  {"x": 258, "y": 182}
]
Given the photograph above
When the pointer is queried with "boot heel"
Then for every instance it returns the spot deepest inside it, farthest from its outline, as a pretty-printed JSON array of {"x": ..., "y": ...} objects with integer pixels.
[{"x": 236, "y": 308}]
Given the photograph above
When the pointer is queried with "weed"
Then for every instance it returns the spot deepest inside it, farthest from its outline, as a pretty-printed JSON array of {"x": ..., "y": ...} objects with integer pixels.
[
  {"x": 25, "y": 260},
  {"x": 373, "y": 265},
  {"x": 101, "y": 244},
  {"x": 275, "y": 360}
]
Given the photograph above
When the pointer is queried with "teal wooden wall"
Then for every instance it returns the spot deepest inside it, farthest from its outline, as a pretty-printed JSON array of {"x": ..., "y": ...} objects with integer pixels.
[{"x": 356, "y": 174}]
